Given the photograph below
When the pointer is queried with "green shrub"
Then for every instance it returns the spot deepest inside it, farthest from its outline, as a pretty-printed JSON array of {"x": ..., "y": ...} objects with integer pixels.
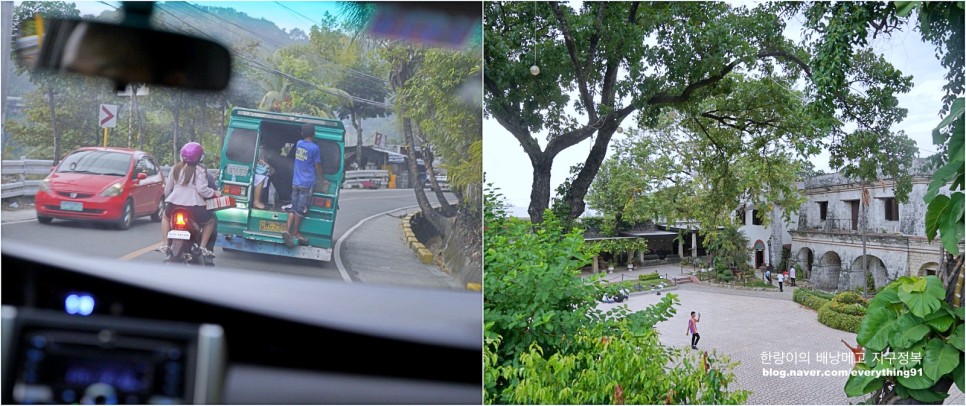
[
  {"x": 839, "y": 321},
  {"x": 850, "y": 297},
  {"x": 725, "y": 276},
  {"x": 810, "y": 298},
  {"x": 648, "y": 276},
  {"x": 813, "y": 292},
  {"x": 852, "y": 309}
]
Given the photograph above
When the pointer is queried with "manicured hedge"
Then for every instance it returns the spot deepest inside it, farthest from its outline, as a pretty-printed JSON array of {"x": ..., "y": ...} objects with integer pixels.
[
  {"x": 844, "y": 312},
  {"x": 648, "y": 276},
  {"x": 810, "y": 298},
  {"x": 839, "y": 321}
]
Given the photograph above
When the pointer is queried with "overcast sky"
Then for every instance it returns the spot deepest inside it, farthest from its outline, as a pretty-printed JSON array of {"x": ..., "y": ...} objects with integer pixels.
[{"x": 508, "y": 167}]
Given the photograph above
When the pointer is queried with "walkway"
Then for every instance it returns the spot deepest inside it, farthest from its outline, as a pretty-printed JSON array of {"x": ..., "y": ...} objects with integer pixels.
[{"x": 752, "y": 327}]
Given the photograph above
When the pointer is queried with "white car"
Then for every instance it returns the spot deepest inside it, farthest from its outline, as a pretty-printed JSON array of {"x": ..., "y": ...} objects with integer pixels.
[{"x": 443, "y": 183}]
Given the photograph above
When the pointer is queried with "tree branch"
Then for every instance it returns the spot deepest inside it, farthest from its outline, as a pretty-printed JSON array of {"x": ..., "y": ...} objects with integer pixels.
[
  {"x": 665, "y": 98},
  {"x": 504, "y": 113},
  {"x": 572, "y": 51},
  {"x": 595, "y": 38}
]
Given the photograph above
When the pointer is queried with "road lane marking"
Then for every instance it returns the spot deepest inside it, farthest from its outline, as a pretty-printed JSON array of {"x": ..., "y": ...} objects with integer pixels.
[
  {"x": 345, "y": 236},
  {"x": 139, "y": 252}
]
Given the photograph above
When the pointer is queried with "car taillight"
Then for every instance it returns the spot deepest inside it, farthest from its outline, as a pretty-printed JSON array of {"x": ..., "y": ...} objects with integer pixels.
[
  {"x": 234, "y": 190},
  {"x": 323, "y": 202},
  {"x": 180, "y": 221}
]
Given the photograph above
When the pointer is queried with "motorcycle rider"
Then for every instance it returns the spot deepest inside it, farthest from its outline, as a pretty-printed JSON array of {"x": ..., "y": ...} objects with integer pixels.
[{"x": 187, "y": 187}]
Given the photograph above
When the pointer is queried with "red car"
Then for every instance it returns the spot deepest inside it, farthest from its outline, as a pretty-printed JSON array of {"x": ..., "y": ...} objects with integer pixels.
[{"x": 114, "y": 185}]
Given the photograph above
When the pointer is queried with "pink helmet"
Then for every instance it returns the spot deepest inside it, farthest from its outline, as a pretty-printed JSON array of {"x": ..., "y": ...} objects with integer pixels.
[{"x": 192, "y": 153}]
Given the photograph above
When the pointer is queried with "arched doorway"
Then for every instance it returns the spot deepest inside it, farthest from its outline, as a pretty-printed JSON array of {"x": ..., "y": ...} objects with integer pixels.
[
  {"x": 805, "y": 258},
  {"x": 826, "y": 274},
  {"x": 930, "y": 268},
  {"x": 759, "y": 254},
  {"x": 877, "y": 273}
]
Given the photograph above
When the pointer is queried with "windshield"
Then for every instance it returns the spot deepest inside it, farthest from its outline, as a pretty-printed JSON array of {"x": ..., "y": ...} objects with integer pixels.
[
  {"x": 329, "y": 239},
  {"x": 96, "y": 163},
  {"x": 328, "y": 63}
]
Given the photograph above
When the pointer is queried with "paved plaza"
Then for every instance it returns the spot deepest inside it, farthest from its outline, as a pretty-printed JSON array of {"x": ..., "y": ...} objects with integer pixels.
[{"x": 746, "y": 324}]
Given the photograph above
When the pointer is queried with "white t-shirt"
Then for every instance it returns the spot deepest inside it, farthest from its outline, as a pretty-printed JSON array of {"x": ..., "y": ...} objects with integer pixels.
[
  {"x": 781, "y": 277},
  {"x": 791, "y": 272}
]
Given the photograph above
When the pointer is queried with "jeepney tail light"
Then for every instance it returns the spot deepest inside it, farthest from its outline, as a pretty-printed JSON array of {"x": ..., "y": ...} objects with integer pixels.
[
  {"x": 234, "y": 190},
  {"x": 323, "y": 202}
]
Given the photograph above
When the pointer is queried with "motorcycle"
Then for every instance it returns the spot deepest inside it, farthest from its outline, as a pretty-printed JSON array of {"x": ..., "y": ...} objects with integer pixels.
[{"x": 184, "y": 240}]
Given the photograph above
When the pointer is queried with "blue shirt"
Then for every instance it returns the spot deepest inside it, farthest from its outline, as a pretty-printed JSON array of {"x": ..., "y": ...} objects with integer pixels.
[{"x": 306, "y": 156}]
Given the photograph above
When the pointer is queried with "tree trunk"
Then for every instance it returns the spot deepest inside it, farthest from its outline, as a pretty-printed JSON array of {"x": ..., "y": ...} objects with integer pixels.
[
  {"x": 53, "y": 125},
  {"x": 440, "y": 223},
  {"x": 428, "y": 157},
  {"x": 358, "y": 126},
  {"x": 540, "y": 189},
  {"x": 581, "y": 184}
]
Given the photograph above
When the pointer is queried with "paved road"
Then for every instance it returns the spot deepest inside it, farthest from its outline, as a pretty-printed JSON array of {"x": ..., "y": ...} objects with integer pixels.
[
  {"x": 368, "y": 223},
  {"x": 745, "y": 324}
]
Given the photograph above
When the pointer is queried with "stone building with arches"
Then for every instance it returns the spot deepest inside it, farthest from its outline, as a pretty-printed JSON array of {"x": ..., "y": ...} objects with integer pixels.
[{"x": 827, "y": 241}]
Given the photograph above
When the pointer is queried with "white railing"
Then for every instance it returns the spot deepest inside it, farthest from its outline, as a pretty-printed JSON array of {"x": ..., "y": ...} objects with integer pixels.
[
  {"x": 21, "y": 168},
  {"x": 375, "y": 179}
]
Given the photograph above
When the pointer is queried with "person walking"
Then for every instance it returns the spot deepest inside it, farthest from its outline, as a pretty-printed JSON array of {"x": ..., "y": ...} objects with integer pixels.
[
  {"x": 791, "y": 274},
  {"x": 781, "y": 279},
  {"x": 693, "y": 329},
  {"x": 308, "y": 168}
]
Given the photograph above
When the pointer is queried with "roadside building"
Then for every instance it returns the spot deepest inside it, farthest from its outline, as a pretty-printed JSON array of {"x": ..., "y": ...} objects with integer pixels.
[{"x": 827, "y": 241}]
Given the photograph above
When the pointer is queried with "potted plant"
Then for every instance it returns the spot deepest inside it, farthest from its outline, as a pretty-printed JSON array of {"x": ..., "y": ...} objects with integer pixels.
[
  {"x": 630, "y": 263},
  {"x": 610, "y": 266}
]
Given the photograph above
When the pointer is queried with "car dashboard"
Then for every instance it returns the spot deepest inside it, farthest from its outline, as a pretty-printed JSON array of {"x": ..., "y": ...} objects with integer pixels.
[{"x": 86, "y": 330}]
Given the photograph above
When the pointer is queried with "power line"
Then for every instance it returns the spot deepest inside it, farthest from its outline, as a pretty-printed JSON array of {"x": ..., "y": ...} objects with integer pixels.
[
  {"x": 359, "y": 74},
  {"x": 257, "y": 65},
  {"x": 296, "y": 12}
]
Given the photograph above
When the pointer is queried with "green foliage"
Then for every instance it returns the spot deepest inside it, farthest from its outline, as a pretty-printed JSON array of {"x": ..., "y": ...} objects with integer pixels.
[
  {"x": 839, "y": 321},
  {"x": 618, "y": 365},
  {"x": 451, "y": 124},
  {"x": 648, "y": 276},
  {"x": 783, "y": 263},
  {"x": 942, "y": 24},
  {"x": 812, "y": 299},
  {"x": 620, "y": 245},
  {"x": 543, "y": 332},
  {"x": 844, "y": 312},
  {"x": 730, "y": 246},
  {"x": 910, "y": 315},
  {"x": 725, "y": 276}
]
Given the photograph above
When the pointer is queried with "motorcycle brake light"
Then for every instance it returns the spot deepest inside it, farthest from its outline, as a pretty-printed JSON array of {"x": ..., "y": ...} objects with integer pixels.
[{"x": 180, "y": 221}]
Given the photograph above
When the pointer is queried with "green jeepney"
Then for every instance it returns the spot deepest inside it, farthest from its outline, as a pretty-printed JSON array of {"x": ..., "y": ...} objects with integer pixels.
[{"x": 274, "y": 135}]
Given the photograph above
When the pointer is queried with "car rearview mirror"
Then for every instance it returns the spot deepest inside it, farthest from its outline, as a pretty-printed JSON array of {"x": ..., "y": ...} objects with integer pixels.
[{"x": 127, "y": 54}]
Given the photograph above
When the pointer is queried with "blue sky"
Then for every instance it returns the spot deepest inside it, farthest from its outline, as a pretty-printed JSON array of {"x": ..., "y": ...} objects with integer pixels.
[{"x": 288, "y": 15}]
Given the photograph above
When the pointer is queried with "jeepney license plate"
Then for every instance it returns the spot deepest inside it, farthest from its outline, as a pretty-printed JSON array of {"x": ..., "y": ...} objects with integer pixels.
[
  {"x": 72, "y": 206},
  {"x": 273, "y": 226}
]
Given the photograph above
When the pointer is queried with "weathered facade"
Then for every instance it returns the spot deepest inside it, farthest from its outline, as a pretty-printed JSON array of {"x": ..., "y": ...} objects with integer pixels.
[
  {"x": 828, "y": 239},
  {"x": 765, "y": 241}
]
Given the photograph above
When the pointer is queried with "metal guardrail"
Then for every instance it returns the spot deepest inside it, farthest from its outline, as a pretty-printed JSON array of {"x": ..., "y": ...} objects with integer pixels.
[
  {"x": 21, "y": 168},
  {"x": 365, "y": 179}
]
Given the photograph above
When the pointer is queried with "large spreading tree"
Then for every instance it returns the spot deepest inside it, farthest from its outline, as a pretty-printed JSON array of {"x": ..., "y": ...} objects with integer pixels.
[{"x": 608, "y": 62}]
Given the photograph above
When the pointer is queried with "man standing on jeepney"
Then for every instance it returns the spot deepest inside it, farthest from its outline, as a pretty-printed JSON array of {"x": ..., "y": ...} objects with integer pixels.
[{"x": 308, "y": 168}]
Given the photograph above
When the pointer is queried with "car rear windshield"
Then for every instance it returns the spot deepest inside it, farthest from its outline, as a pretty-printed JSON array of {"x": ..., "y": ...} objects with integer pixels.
[{"x": 96, "y": 163}]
